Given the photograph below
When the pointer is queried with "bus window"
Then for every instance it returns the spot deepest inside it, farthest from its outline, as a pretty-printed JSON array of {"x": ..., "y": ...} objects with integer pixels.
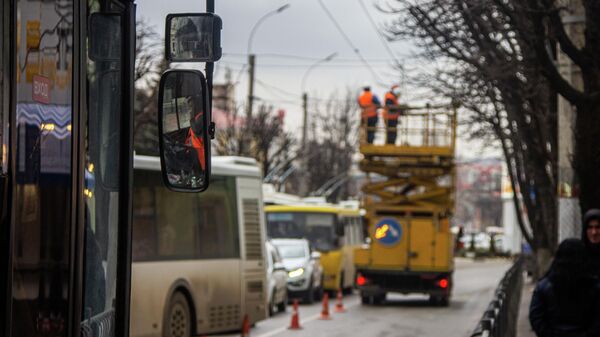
[
  {"x": 102, "y": 169},
  {"x": 169, "y": 225}
]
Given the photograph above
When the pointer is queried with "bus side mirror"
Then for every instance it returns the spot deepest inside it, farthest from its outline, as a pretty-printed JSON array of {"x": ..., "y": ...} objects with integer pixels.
[
  {"x": 183, "y": 130},
  {"x": 193, "y": 37},
  {"x": 339, "y": 228}
]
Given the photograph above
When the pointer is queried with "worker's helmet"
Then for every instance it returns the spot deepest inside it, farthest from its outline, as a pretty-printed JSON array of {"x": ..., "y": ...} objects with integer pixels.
[
  {"x": 366, "y": 86},
  {"x": 395, "y": 89}
]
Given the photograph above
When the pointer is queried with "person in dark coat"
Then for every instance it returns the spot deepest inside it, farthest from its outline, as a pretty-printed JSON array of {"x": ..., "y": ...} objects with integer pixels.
[
  {"x": 591, "y": 237},
  {"x": 566, "y": 302}
]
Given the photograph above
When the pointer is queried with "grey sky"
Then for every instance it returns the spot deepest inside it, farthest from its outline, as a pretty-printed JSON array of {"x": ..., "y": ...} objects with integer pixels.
[{"x": 302, "y": 30}]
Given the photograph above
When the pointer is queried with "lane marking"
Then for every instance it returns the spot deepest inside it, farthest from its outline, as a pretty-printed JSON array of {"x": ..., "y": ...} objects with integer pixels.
[{"x": 306, "y": 320}]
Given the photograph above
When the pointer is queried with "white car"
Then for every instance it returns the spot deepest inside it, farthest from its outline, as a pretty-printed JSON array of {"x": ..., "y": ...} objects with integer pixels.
[
  {"x": 276, "y": 280},
  {"x": 304, "y": 269}
]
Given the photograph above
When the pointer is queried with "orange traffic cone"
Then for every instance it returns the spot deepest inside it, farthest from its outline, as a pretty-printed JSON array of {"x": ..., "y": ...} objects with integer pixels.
[
  {"x": 246, "y": 327},
  {"x": 325, "y": 311},
  {"x": 339, "y": 305},
  {"x": 295, "y": 324}
]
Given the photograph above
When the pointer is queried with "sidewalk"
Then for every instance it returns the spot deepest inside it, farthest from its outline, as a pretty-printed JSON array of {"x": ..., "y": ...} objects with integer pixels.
[{"x": 523, "y": 326}]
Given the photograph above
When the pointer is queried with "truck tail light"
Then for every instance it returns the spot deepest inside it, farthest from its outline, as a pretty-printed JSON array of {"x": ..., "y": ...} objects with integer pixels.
[
  {"x": 361, "y": 280},
  {"x": 443, "y": 283}
]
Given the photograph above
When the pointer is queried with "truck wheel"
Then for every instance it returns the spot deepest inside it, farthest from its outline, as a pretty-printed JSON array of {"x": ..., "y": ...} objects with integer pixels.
[
  {"x": 178, "y": 320},
  {"x": 379, "y": 299},
  {"x": 365, "y": 299}
]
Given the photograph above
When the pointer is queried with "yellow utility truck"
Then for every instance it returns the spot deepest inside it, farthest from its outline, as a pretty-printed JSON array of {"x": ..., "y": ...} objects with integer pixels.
[{"x": 409, "y": 199}]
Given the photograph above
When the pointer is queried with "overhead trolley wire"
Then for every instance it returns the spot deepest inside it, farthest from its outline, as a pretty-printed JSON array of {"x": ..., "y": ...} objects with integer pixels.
[
  {"x": 349, "y": 41},
  {"x": 381, "y": 37}
]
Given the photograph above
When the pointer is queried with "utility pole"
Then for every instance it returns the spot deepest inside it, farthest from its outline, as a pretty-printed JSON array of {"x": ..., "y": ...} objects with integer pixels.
[
  {"x": 304, "y": 119},
  {"x": 251, "y": 59}
]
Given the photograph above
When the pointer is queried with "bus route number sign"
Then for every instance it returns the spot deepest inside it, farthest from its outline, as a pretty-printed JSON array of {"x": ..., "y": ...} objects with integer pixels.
[{"x": 388, "y": 232}]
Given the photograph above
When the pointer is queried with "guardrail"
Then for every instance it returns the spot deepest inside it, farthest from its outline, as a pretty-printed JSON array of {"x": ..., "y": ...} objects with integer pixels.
[
  {"x": 500, "y": 317},
  {"x": 101, "y": 325}
]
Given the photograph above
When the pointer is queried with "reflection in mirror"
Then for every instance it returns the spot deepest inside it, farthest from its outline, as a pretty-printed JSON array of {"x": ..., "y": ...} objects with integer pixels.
[
  {"x": 105, "y": 37},
  {"x": 194, "y": 38},
  {"x": 184, "y": 135}
]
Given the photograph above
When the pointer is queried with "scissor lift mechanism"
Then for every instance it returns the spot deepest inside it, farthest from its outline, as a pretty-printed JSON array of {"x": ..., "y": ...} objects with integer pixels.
[{"x": 416, "y": 174}]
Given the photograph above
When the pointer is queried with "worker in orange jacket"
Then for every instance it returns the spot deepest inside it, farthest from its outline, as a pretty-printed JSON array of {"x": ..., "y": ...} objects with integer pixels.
[
  {"x": 392, "y": 113},
  {"x": 194, "y": 139},
  {"x": 369, "y": 104}
]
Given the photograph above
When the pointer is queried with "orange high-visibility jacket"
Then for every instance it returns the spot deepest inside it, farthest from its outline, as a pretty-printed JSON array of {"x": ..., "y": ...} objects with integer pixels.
[
  {"x": 369, "y": 108},
  {"x": 391, "y": 102},
  {"x": 198, "y": 146}
]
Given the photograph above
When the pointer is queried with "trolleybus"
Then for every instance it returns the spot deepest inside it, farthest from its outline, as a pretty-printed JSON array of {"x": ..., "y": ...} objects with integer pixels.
[
  {"x": 333, "y": 231},
  {"x": 197, "y": 258}
]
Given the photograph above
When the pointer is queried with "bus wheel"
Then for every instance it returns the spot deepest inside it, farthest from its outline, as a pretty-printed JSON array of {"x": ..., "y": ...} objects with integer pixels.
[{"x": 178, "y": 321}]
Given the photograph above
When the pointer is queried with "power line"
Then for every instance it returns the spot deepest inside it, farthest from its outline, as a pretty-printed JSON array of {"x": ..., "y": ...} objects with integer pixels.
[
  {"x": 381, "y": 38},
  {"x": 304, "y": 58},
  {"x": 356, "y": 51},
  {"x": 281, "y": 65}
]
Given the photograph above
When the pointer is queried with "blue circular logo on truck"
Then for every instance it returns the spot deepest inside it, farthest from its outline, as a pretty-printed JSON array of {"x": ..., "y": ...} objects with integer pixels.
[{"x": 388, "y": 232}]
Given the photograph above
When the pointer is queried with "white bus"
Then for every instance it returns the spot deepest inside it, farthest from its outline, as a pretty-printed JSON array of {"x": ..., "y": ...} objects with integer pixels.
[{"x": 198, "y": 259}]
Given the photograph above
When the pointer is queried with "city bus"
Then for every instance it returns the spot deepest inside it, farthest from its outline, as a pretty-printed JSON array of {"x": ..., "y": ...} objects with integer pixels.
[
  {"x": 331, "y": 230},
  {"x": 66, "y": 158},
  {"x": 198, "y": 259}
]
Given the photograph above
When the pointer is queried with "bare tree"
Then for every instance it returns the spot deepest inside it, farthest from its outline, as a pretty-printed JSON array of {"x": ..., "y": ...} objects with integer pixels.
[
  {"x": 148, "y": 66},
  {"x": 331, "y": 144},
  {"x": 263, "y": 136},
  {"x": 495, "y": 74}
]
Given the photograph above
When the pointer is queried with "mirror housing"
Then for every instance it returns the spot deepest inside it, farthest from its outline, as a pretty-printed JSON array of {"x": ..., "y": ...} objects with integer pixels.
[
  {"x": 183, "y": 127},
  {"x": 104, "y": 29},
  {"x": 193, "y": 37}
]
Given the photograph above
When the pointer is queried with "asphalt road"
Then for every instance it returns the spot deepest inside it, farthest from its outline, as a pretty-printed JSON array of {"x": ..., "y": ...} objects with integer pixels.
[{"x": 399, "y": 316}]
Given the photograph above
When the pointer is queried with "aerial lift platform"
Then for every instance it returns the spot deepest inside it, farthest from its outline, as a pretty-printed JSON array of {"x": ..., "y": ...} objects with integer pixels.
[{"x": 409, "y": 198}]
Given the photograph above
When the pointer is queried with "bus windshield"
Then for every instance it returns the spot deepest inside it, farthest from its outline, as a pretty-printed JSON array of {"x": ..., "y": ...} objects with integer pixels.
[{"x": 318, "y": 228}]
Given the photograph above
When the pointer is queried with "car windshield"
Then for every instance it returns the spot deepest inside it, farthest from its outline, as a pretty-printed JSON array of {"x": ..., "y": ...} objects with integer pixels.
[{"x": 291, "y": 251}]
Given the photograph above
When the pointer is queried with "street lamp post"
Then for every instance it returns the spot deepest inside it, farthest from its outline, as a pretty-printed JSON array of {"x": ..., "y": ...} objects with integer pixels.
[
  {"x": 252, "y": 57},
  {"x": 305, "y": 95},
  {"x": 304, "y": 177}
]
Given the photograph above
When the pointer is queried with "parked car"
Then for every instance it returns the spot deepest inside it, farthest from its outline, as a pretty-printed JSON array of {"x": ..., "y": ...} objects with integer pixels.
[
  {"x": 276, "y": 280},
  {"x": 305, "y": 274}
]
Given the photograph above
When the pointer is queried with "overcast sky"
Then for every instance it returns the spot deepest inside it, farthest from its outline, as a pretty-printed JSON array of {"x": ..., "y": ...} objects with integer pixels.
[{"x": 288, "y": 43}]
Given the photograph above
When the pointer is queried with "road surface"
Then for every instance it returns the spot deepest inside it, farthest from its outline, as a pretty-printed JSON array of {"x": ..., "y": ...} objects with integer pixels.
[{"x": 401, "y": 315}]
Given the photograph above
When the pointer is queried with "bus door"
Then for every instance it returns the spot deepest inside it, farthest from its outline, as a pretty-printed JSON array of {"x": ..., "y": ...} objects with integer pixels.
[{"x": 69, "y": 158}]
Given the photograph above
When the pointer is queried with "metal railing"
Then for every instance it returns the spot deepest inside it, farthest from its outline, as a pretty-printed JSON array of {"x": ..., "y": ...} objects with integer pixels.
[
  {"x": 101, "y": 325},
  {"x": 417, "y": 126},
  {"x": 500, "y": 317}
]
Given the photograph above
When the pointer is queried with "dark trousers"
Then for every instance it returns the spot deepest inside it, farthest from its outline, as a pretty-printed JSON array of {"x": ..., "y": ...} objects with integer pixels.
[
  {"x": 371, "y": 123},
  {"x": 391, "y": 131}
]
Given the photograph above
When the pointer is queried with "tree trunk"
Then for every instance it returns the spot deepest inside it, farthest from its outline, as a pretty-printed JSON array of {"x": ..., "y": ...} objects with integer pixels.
[{"x": 586, "y": 161}]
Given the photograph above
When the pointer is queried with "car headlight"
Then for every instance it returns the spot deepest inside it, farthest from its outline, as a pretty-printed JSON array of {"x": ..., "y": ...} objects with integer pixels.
[{"x": 296, "y": 272}]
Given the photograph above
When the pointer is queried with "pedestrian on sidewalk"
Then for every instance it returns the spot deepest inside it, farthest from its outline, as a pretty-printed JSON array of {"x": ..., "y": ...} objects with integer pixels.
[
  {"x": 566, "y": 302},
  {"x": 591, "y": 238}
]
